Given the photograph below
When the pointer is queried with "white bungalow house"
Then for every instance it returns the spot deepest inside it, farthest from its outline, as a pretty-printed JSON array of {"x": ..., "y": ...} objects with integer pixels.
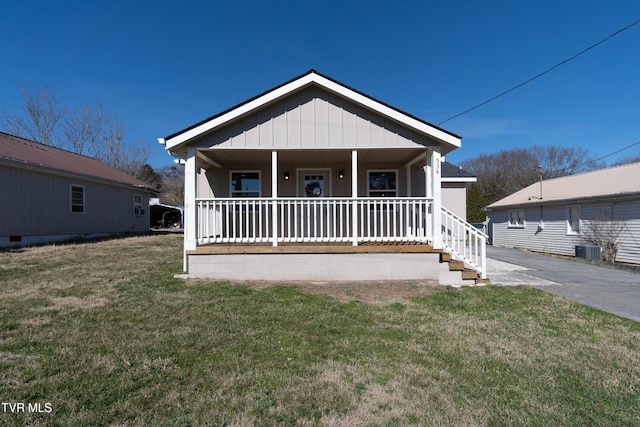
[
  {"x": 50, "y": 195},
  {"x": 553, "y": 215},
  {"x": 314, "y": 180}
]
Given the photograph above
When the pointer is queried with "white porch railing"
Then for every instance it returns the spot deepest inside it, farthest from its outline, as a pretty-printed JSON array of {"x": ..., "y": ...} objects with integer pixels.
[
  {"x": 464, "y": 242},
  {"x": 357, "y": 220},
  {"x": 398, "y": 219}
]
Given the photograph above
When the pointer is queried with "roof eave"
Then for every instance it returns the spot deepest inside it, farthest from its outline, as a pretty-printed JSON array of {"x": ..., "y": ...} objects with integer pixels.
[
  {"x": 540, "y": 202},
  {"x": 459, "y": 179},
  {"x": 21, "y": 164}
]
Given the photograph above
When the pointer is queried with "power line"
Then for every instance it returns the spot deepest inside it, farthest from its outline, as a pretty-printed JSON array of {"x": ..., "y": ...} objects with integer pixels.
[
  {"x": 611, "y": 154},
  {"x": 565, "y": 170},
  {"x": 542, "y": 73}
]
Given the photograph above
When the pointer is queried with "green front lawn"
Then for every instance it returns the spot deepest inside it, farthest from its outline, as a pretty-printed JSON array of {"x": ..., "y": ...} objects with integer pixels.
[{"x": 102, "y": 334}]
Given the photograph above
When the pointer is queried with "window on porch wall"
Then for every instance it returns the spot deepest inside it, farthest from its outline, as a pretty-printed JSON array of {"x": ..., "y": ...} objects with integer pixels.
[
  {"x": 245, "y": 184},
  {"x": 383, "y": 183}
]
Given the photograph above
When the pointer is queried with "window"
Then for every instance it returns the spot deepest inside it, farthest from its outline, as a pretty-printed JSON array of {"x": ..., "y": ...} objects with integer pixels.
[
  {"x": 383, "y": 184},
  {"x": 573, "y": 219},
  {"x": 77, "y": 199},
  {"x": 245, "y": 184},
  {"x": 516, "y": 218},
  {"x": 137, "y": 205}
]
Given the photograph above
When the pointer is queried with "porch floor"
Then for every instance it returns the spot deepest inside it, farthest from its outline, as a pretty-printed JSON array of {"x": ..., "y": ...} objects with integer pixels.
[{"x": 313, "y": 248}]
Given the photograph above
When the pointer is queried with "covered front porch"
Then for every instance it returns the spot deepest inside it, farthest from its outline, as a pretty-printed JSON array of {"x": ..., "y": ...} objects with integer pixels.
[
  {"x": 279, "y": 196},
  {"x": 296, "y": 201}
]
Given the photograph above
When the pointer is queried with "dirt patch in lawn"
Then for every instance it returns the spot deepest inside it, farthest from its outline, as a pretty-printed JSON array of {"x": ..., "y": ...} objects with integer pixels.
[{"x": 378, "y": 293}]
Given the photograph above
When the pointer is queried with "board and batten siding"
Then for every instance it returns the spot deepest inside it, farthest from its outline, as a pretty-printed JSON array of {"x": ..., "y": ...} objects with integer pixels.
[
  {"x": 215, "y": 182},
  {"x": 313, "y": 118},
  {"x": 39, "y": 204},
  {"x": 553, "y": 237}
]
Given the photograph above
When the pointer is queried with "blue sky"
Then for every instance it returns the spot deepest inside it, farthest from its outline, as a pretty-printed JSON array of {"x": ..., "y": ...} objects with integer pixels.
[{"x": 161, "y": 66}]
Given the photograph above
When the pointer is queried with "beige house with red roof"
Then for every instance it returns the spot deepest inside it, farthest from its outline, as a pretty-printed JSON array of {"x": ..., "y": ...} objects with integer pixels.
[
  {"x": 51, "y": 195},
  {"x": 551, "y": 217}
]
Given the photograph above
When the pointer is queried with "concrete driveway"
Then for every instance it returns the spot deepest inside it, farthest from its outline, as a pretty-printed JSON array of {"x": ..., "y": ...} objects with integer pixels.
[{"x": 614, "y": 291}]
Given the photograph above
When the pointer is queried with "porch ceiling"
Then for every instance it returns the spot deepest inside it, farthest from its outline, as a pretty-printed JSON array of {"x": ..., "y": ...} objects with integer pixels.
[{"x": 222, "y": 158}]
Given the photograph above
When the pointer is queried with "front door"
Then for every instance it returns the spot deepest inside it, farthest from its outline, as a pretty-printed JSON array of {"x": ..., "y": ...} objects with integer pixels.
[{"x": 314, "y": 183}]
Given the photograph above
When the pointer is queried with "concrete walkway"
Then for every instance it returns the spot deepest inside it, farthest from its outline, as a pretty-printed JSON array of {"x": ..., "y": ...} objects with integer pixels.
[{"x": 614, "y": 291}]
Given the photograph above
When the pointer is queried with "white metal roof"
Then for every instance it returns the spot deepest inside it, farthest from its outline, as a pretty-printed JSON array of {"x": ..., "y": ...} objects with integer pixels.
[{"x": 618, "y": 181}]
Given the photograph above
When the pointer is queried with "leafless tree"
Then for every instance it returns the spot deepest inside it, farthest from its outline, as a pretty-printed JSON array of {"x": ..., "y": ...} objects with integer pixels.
[
  {"x": 562, "y": 161},
  {"x": 83, "y": 129},
  {"x": 627, "y": 160},
  {"x": 604, "y": 230},
  {"x": 88, "y": 130},
  {"x": 172, "y": 191},
  {"x": 112, "y": 150},
  {"x": 38, "y": 119},
  {"x": 503, "y": 173}
]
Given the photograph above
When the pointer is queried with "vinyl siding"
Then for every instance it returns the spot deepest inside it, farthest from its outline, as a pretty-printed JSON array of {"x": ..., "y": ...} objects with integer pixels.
[
  {"x": 630, "y": 239},
  {"x": 553, "y": 238},
  {"x": 313, "y": 118},
  {"x": 35, "y": 203}
]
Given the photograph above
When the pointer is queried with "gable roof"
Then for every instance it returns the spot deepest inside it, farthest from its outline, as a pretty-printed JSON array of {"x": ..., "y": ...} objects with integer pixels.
[
  {"x": 25, "y": 153},
  {"x": 312, "y": 77},
  {"x": 618, "y": 181}
]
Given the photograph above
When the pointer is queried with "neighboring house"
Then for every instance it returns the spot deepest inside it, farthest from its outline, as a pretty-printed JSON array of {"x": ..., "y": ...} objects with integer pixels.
[
  {"x": 552, "y": 217},
  {"x": 50, "y": 195},
  {"x": 315, "y": 180}
]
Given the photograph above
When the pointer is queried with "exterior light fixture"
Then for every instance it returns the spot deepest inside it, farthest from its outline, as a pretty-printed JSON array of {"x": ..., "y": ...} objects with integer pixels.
[
  {"x": 286, "y": 176},
  {"x": 341, "y": 174}
]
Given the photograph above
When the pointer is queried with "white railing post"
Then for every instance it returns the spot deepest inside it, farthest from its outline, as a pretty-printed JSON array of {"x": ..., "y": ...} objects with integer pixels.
[
  {"x": 483, "y": 257},
  {"x": 436, "y": 193},
  {"x": 354, "y": 195},
  {"x": 190, "y": 205},
  {"x": 274, "y": 196}
]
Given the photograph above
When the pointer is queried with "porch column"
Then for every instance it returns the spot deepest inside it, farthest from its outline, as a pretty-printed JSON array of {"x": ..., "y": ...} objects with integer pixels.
[
  {"x": 354, "y": 196},
  {"x": 436, "y": 193},
  {"x": 274, "y": 196},
  {"x": 190, "y": 207}
]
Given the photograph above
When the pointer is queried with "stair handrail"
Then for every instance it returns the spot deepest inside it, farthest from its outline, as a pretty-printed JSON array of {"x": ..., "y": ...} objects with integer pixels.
[{"x": 464, "y": 242}]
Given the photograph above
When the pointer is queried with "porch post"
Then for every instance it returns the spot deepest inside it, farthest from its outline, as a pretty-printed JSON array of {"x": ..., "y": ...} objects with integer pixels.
[
  {"x": 274, "y": 196},
  {"x": 436, "y": 192},
  {"x": 354, "y": 196},
  {"x": 190, "y": 207}
]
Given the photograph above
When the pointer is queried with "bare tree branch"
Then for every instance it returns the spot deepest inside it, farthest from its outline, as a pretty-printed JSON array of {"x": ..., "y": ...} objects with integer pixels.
[
  {"x": 40, "y": 114},
  {"x": 83, "y": 128}
]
